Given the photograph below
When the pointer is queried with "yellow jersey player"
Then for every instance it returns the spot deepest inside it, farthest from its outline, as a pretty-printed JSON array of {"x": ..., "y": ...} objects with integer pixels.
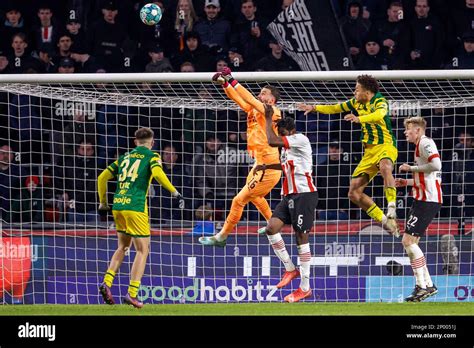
[
  {"x": 266, "y": 172},
  {"x": 370, "y": 109},
  {"x": 134, "y": 172}
]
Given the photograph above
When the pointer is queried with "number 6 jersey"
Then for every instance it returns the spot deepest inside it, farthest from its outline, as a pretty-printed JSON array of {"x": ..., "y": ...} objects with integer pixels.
[{"x": 297, "y": 163}]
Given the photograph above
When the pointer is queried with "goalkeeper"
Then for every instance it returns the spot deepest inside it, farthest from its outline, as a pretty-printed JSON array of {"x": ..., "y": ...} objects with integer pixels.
[
  {"x": 134, "y": 172},
  {"x": 266, "y": 172},
  {"x": 370, "y": 109}
]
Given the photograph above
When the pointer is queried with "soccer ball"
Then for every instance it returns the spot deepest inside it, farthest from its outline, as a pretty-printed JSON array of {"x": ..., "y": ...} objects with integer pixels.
[{"x": 150, "y": 14}]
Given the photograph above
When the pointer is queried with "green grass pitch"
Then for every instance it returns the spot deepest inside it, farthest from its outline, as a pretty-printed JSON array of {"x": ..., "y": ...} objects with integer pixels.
[{"x": 250, "y": 309}]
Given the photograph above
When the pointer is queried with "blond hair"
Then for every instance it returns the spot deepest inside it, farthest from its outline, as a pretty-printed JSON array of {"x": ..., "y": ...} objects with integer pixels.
[
  {"x": 189, "y": 18},
  {"x": 416, "y": 121}
]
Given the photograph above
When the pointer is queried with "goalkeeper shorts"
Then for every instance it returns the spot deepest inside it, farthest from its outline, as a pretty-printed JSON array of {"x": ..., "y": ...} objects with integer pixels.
[{"x": 132, "y": 223}]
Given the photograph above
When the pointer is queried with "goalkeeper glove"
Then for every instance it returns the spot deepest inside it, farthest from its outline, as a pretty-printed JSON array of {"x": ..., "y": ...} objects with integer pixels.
[
  {"x": 227, "y": 73},
  {"x": 218, "y": 78}
]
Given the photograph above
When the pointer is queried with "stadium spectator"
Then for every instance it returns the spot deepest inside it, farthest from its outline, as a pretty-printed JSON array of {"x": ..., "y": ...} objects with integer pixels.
[
  {"x": 78, "y": 183},
  {"x": 355, "y": 28},
  {"x": 277, "y": 60},
  {"x": 464, "y": 59},
  {"x": 463, "y": 17},
  {"x": 77, "y": 130},
  {"x": 214, "y": 31},
  {"x": 249, "y": 32},
  {"x": 426, "y": 39},
  {"x": 14, "y": 24},
  {"x": 372, "y": 58},
  {"x": 163, "y": 205},
  {"x": 196, "y": 53},
  {"x": 84, "y": 62},
  {"x": 45, "y": 56},
  {"x": 28, "y": 205},
  {"x": 49, "y": 28},
  {"x": 63, "y": 48},
  {"x": 20, "y": 61},
  {"x": 393, "y": 33},
  {"x": 461, "y": 176},
  {"x": 158, "y": 63},
  {"x": 77, "y": 35},
  {"x": 187, "y": 67},
  {"x": 9, "y": 180},
  {"x": 106, "y": 38},
  {"x": 3, "y": 63},
  {"x": 373, "y": 9},
  {"x": 215, "y": 180},
  {"x": 113, "y": 137},
  {"x": 286, "y": 3},
  {"x": 204, "y": 224},
  {"x": 221, "y": 63},
  {"x": 236, "y": 60},
  {"x": 332, "y": 180},
  {"x": 66, "y": 66},
  {"x": 185, "y": 21}
]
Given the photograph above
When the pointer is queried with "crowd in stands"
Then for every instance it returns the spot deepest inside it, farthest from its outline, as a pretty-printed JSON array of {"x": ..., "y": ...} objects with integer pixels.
[
  {"x": 92, "y": 36},
  {"x": 49, "y": 161}
]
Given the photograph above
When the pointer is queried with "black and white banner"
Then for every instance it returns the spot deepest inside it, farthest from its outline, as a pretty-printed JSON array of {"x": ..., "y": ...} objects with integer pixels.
[{"x": 309, "y": 33}]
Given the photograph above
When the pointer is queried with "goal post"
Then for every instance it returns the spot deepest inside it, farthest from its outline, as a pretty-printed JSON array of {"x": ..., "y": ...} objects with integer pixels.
[{"x": 60, "y": 131}]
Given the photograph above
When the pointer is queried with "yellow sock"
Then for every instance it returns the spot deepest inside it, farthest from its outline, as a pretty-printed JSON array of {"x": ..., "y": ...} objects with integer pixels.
[
  {"x": 375, "y": 212},
  {"x": 133, "y": 288},
  {"x": 109, "y": 277},
  {"x": 391, "y": 194}
]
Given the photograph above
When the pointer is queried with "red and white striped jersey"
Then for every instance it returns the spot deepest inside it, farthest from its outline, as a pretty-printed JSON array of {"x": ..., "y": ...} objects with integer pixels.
[
  {"x": 297, "y": 163},
  {"x": 427, "y": 186}
]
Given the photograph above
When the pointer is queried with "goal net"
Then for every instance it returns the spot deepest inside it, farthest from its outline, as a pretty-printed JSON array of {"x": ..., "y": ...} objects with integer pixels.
[{"x": 59, "y": 132}]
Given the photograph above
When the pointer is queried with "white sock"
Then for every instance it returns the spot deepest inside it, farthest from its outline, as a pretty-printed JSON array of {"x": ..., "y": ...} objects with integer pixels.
[
  {"x": 427, "y": 276},
  {"x": 418, "y": 262},
  {"x": 279, "y": 248},
  {"x": 305, "y": 265}
]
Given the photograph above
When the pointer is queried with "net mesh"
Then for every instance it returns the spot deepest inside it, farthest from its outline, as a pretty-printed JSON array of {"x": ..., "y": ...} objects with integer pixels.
[{"x": 60, "y": 136}]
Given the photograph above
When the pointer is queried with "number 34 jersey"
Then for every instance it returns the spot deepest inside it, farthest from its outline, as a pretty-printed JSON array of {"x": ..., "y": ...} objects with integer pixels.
[
  {"x": 297, "y": 162},
  {"x": 134, "y": 174}
]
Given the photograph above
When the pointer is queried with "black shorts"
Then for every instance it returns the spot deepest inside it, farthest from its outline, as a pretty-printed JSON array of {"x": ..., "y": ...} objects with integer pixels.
[
  {"x": 297, "y": 210},
  {"x": 420, "y": 216}
]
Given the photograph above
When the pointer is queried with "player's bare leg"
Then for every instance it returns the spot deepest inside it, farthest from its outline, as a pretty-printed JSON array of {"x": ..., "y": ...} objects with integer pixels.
[
  {"x": 386, "y": 169},
  {"x": 142, "y": 248},
  {"x": 304, "y": 253},
  {"x": 254, "y": 191},
  {"x": 272, "y": 230},
  {"x": 363, "y": 201},
  {"x": 124, "y": 242}
]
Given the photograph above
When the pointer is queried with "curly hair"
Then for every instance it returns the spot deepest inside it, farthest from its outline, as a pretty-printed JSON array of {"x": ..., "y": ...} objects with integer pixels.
[
  {"x": 287, "y": 123},
  {"x": 368, "y": 82}
]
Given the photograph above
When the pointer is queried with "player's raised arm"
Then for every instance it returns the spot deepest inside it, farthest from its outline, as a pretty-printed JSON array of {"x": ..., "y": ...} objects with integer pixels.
[
  {"x": 242, "y": 91},
  {"x": 273, "y": 139},
  {"x": 230, "y": 92}
]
